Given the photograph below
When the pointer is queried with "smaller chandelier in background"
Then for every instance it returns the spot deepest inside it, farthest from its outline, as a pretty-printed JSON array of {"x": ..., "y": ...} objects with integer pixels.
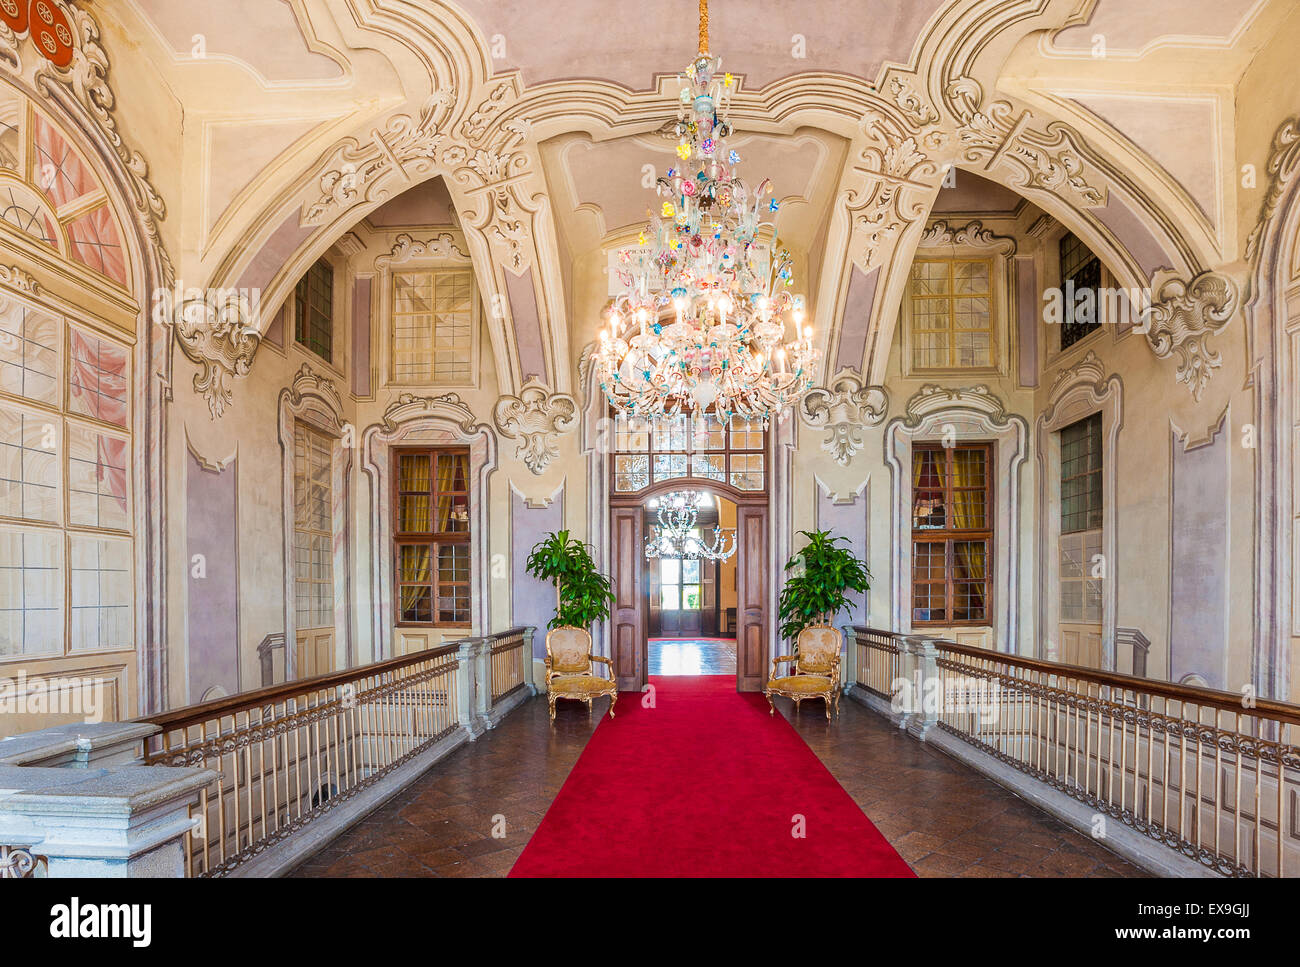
[
  {"x": 678, "y": 534},
  {"x": 700, "y": 325}
]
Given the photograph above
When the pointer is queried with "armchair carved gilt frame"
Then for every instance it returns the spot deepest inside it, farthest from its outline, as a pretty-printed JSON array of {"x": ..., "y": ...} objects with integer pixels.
[
  {"x": 815, "y": 672},
  {"x": 570, "y": 667}
]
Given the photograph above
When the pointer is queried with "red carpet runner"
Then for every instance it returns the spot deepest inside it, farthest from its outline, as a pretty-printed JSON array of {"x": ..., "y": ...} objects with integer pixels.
[{"x": 705, "y": 784}]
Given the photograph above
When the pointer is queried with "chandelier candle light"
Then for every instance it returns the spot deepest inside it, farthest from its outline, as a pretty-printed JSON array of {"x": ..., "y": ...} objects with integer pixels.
[
  {"x": 701, "y": 323},
  {"x": 677, "y": 534}
]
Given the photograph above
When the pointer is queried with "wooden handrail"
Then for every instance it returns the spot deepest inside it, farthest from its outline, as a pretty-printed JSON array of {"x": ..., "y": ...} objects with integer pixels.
[
  {"x": 229, "y": 704},
  {"x": 1191, "y": 694}
]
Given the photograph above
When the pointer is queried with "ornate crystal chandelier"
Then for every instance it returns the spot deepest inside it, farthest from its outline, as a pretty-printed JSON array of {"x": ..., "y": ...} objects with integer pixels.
[
  {"x": 700, "y": 323},
  {"x": 678, "y": 534}
]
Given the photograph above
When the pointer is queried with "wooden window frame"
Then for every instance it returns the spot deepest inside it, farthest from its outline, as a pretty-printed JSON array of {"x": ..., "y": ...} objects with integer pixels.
[
  {"x": 950, "y": 536},
  {"x": 950, "y": 297},
  {"x": 306, "y": 312},
  {"x": 1072, "y": 332},
  {"x": 303, "y": 434},
  {"x": 435, "y": 540},
  {"x": 430, "y": 377},
  {"x": 692, "y": 480}
]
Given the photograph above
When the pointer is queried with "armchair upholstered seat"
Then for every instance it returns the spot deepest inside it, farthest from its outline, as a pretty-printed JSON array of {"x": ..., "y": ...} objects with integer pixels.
[
  {"x": 570, "y": 669},
  {"x": 814, "y": 671}
]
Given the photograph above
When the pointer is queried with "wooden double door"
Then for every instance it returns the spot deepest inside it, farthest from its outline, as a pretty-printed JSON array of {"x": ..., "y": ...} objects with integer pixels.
[{"x": 630, "y": 618}]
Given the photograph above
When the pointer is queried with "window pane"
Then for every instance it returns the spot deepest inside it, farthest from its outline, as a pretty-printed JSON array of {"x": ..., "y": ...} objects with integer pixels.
[
  {"x": 690, "y": 597},
  {"x": 314, "y": 310},
  {"x": 670, "y": 571},
  {"x": 668, "y": 597}
]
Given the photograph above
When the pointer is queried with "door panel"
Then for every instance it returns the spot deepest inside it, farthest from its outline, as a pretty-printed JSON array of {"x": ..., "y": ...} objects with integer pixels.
[
  {"x": 751, "y": 636},
  {"x": 628, "y": 615}
]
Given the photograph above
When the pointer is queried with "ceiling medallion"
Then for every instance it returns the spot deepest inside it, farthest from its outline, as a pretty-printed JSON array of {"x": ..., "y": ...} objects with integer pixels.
[
  {"x": 678, "y": 533},
  {"x": 700, "y": 324}
]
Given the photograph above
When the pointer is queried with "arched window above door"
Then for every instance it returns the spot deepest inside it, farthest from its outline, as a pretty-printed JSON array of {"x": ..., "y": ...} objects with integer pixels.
[{"x": 50, "y": 194}]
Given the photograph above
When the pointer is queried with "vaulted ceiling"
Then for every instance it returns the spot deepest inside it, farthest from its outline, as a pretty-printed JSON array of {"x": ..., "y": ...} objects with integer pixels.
[{"x": 298, "y": 118}]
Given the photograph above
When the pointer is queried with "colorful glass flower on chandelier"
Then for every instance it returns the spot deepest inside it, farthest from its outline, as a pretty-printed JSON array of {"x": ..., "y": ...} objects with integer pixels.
[{"x": 701, "y": 322}]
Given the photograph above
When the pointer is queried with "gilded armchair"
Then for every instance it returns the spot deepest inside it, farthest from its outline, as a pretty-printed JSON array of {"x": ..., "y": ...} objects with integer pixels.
[
  {"x": 570, "y": 666},
  {"x": 815, "y": 672}
]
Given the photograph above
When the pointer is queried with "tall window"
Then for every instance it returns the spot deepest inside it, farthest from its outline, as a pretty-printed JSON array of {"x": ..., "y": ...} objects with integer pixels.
[
  {"x": 65, "y": 513},
  {"x": 650, "y": 451},
  {"x": 431, "y": 539},
  {"x": 433, "y": 326},
  {"x": 1081, "y": 506},
  {"x": 313, "y": 528},
  {"x": 952, "y": 529},
  {"x": 313, "y": 310},
  {"x": 1080, "y": 282},
  {"x": 952, "y": 316}
]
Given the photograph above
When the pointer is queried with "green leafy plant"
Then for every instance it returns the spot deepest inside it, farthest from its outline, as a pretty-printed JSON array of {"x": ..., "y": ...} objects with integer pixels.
[
  {"x": 584, "y": 593},
  {"x": 818, "y": 588}
]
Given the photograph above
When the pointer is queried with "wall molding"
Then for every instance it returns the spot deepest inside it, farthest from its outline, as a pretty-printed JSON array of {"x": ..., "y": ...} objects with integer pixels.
[
  {"x": 1078, "y": 392},
  {"x": 415, "y": 420},
  {"x": 965, "y": 413},
  {"x": 536, "y": 417},
  {"x": 843, "y": 407}
]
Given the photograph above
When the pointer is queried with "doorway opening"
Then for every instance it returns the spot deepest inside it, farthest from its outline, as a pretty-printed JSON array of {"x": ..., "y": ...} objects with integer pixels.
[{"x": 691, "y": 584}]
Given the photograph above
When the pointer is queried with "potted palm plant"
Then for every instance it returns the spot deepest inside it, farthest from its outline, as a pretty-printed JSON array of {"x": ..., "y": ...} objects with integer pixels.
[
  {"x": 583, "y": 594},
  {"x": 823, "y": 574}
]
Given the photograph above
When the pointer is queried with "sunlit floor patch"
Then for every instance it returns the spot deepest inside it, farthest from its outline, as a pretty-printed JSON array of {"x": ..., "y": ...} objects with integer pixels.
[{"x": 692, "y": 656}]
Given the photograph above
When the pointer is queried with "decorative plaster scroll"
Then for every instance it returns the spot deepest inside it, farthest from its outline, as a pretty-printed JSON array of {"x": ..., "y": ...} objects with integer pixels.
[
  {"x": 217, "y": 331},
  {"x": 82, "y": 89},
  {"x": 407, "y": 249},
  {"x": 1087, "y": 370},
  {"x": 1050, "y": 161},
  {"x": 12, "y": 277},
  {"x": 932, "y": 399},
  {"x": 972, "y": 234},
  {"x": 1283, "y": 161},
  {"x": 843, "y": 408},
  {"x": 534, "y": 417},
  {"x": 408, "y": 143},
  {"x": 449, "y": 407},
  {"x": 1183, "y": 316},
  {"x": 308, "y": 381},
  {"x": 897, "y": 172},
  {"x": 914, "y": 107}
]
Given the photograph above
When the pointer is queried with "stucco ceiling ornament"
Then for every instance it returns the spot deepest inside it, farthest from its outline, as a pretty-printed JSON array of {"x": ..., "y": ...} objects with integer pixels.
[
  {"x": 407, "y": 248},
  {"x": 1283, "y": 162},
  {"x": 1182, "y": 317},
  {"x": 492, "y": 163},
  {"x": 535, "y": 417},
  {"x": 843, "y": 408},
  {"x": 899, "y": 175},
  {"x": 407, "y": 144},
  {"x": 218, "y": 331},
  {"x": 1048, "y": 160},
  {"x": 72, "y": 71},
  {"x": 973, "y": 235}
]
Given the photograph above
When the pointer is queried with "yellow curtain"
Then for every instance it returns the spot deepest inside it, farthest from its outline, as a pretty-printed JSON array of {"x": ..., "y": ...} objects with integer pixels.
[
  {"x": 968, "y": 504},
  {"x": 414, "y": 484},
  {"x": 415, "y": 571},
  {"x": 451, "y": 476},
  {"x": 969, "y": 560}
]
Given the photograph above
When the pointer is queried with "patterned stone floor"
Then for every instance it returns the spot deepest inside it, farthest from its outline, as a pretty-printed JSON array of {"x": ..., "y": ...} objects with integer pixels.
[
  {"x": 691, "y": 656},
  {"x": 943, "y": 817}
]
